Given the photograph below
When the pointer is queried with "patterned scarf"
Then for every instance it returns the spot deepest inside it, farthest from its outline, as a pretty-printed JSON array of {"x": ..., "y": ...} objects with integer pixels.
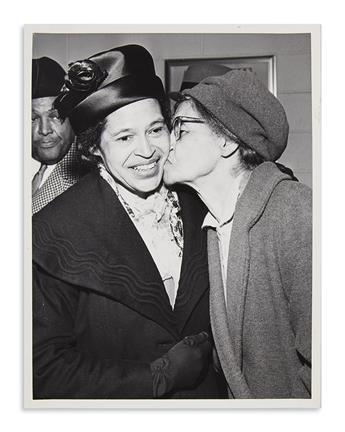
[{"x": 158, "y": 203}]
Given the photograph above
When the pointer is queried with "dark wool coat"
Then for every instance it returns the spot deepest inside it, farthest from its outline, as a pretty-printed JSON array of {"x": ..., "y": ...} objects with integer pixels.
[
  {"x": 101, "y": 313},
  {"x": 263, "y": 338}
]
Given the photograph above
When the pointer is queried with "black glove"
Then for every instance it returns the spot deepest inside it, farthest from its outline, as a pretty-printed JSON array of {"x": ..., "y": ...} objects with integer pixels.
[{"x": 182, "y": 365}]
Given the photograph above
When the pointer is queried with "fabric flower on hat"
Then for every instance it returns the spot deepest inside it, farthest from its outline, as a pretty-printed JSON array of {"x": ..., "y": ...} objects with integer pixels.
[
  {"x": 82, "y": 79},
  {"x": 84, "y": 76}
]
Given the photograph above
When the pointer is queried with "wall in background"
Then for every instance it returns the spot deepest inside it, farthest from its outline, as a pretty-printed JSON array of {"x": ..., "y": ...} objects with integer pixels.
[{"x": 293, "y": 66}]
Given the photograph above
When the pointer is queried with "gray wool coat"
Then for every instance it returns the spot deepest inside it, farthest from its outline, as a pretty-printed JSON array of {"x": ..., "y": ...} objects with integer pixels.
[{"x": 263, "y": 336}]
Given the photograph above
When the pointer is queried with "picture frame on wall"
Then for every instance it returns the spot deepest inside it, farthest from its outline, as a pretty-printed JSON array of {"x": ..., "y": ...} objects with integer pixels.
[{"x": 263, "y": 66}]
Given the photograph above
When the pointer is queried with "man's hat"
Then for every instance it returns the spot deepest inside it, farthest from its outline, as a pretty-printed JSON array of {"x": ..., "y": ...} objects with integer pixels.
[
  {"x": 196, "y": 72},
  {"x": 105, "y": 82},
  {"x": 246, "y": 107},
  {"x": 47, "y": 77}
]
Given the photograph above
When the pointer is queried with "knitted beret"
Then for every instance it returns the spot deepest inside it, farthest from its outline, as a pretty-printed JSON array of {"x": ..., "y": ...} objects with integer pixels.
[{"x": 246, "y": 108}]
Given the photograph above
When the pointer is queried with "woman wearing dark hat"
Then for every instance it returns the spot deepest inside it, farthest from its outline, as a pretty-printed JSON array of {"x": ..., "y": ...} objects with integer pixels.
[
  {"x": 259, "y": 233},
  {"x": 120, "y": 282}
]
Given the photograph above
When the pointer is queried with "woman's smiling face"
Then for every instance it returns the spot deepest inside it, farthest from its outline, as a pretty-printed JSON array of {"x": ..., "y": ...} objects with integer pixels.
[{"x": 135, "y": 144}]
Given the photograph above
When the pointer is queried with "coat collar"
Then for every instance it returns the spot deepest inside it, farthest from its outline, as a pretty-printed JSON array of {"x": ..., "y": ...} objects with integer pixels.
[
  {"x": 86, "y": 238},
  {"x": 194, "y": 280},
  {"x": 257, "y": 192}
]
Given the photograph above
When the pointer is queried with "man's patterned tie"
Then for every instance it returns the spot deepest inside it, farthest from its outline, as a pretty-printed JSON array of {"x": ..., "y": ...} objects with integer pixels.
[{"x": 37, "y": 179}]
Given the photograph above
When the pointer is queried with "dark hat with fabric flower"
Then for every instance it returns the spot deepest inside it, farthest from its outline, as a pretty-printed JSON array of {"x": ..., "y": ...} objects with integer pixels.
[
  {"x": 246, "y": 107},
  {"x": 105, "y": 82},
  {"x": 47, "y": 78}
]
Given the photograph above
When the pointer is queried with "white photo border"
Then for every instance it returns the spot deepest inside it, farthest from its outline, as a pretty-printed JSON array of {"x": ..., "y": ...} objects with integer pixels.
[{"x": 315, "y": 401}]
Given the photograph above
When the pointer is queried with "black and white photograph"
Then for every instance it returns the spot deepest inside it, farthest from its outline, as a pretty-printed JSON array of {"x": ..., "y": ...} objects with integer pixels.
[{"x": 172, "y": 217}]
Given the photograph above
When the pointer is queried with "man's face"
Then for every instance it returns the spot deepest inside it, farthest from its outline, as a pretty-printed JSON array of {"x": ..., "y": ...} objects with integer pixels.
[
  {"x": 51, "y": 137},
  {"x": 194, "y": 153},
  {"x": 135, "y": 144}
]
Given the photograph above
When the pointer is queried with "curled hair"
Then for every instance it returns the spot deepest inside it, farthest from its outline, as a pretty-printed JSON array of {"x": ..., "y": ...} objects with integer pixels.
[
  {"x": 249, "y": 158},
  {"x": 89, "y": 140}
]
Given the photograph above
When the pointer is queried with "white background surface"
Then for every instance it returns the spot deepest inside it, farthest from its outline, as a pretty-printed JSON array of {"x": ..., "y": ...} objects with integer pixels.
[{"x": 330, "y": 416}]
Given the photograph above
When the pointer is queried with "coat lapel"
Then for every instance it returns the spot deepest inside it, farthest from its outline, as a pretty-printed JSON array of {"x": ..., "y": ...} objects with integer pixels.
[
  {"x": 150, "y": 296},
  {"x": 140, "y": 285},
  {"x": 194, "y": 282},
  {"x": 91, "y": 242},
  {"x": 228, "y": 322},
  {"x": 220, "y": 324},
  {"x": 248, "y": 210}
]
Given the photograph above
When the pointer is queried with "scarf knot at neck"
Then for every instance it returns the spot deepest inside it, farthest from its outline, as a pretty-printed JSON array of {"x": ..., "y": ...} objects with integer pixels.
[{"x": 161, "y": 207}]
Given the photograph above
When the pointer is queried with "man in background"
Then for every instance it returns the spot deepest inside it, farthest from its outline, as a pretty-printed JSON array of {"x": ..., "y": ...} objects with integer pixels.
[{"x": 54, "y": 162}]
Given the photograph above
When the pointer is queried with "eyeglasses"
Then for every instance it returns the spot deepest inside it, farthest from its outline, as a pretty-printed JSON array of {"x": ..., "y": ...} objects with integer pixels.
[{"x": 178, "y": 121}]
